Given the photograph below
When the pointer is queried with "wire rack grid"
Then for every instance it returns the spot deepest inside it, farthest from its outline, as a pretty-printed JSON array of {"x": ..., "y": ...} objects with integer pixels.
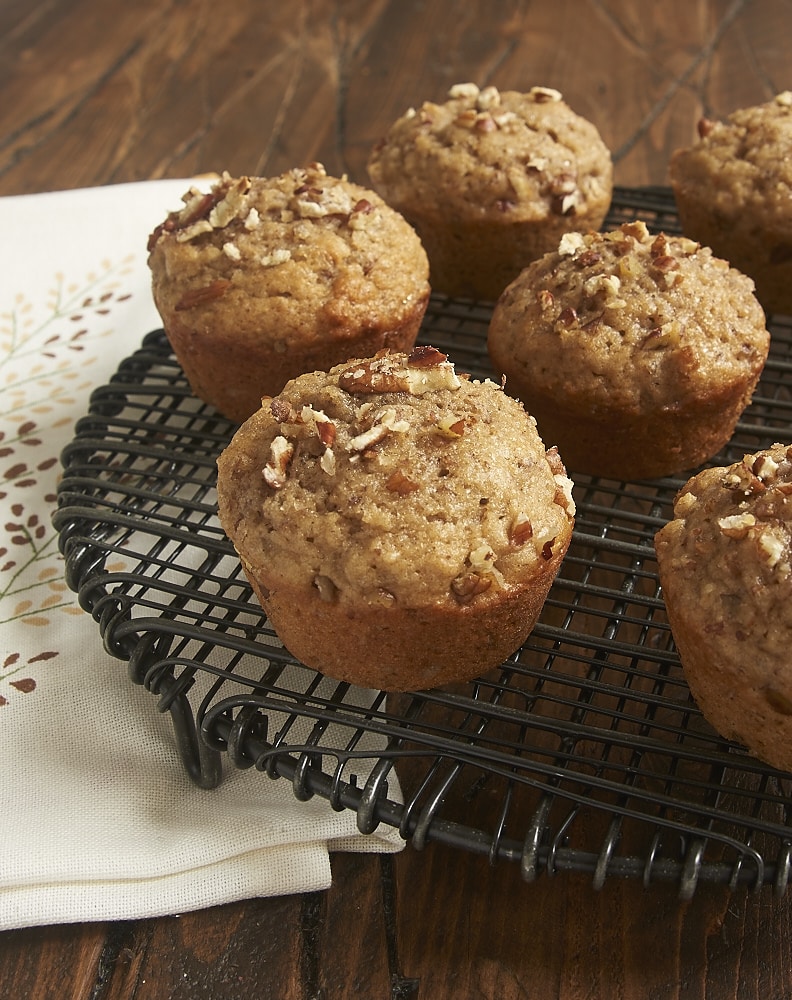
[{"x": 583, "y": 752}]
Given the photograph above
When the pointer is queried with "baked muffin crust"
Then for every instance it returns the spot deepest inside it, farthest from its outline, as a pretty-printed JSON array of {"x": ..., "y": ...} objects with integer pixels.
[
  {"x": 491, "y": 180},
  {"x": 264, "y": 278},
  {"x": 635, "y": 352},
  {"x": 400, "y": 524},
  {"x": 733, "y": 190},
  {"x": 725, "y": 564}
]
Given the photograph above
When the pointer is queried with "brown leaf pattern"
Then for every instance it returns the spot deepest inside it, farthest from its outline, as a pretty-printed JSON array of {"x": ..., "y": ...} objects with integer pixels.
[{"x": 45, "y": 368}]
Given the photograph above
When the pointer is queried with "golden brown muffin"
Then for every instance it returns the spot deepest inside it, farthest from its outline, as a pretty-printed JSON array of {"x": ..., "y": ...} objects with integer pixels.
[
  {"x": 491, "y": 181},
  {"x": 265, "y": 278},
  {"x": 733, "y": 190},
  {"x": 400, "y": 525},
  {"x": 725, "y": 568},
  {"x": 635, "y": 353}
]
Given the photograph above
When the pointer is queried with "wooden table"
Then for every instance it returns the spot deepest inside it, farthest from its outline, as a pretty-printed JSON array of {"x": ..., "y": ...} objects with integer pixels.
[{"x": 100, "y": 91}]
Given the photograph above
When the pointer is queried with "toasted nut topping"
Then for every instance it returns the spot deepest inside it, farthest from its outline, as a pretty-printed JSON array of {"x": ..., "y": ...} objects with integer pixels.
[
  {"x": 568, "y": 316},
  {"x": 542, "y": 95},
  {"x": 684, "y": 504},
  {"x": 279, "y": 256},
  {"x": 765, "y": 467},
  {"x": 327, "y": 463},
  {"x": 563, "y": 494},
  {"x": 488, "y": 98},
  {"x": 554, "y": 461},
  {"x": 380, "y": 374},
  {"x": 704, "y": 127},
  {"x": 741, "y": 479},
  {"x": 736, "y": 525},
  {"x": 426, "y": 357},
  {"x": 367, "y": 439},
  {"x": 570, "y": 244},
  {"x": 450, "y": 427},
  {"x": 427, "y": 369},
  {"x": 485, "y": 123},
  {"x": 283, "y": 411},
  {"x": 322, "y": 424},
  {"x": 276, "y": 469},
  {"x": 468, "y": 584},
  {"x": 482, "y": 560},
  {"x": 470, "y": 90},
  {"x": 521, "y": 530},
  {"x": 772, "y": 548},
  {"x": 397, "y": 482}
]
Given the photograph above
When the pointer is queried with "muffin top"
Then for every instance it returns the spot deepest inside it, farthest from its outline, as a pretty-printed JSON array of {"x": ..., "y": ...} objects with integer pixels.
[
  {"x": 394, "y": 480},
  {"x": 503, "y": 156},
  {"x": 730, "y": 546},
  {"x": 289, "y": 257},
  {"x": 630, "y": 320},
  {"x": 742, "y": 163}
]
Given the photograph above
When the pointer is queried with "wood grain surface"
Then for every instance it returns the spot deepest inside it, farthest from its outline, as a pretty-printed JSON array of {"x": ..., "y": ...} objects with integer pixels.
[{"x": 101, "y": 91}]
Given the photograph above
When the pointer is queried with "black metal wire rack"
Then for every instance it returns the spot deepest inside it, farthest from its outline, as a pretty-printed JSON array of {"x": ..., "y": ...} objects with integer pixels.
[{"x": 584, "y": 752}]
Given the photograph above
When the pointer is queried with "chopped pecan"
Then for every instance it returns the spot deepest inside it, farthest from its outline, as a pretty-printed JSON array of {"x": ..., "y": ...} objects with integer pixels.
[
  {"x": 521, "y": 530},
  {"x": 704, "y": 127},
  {"x": 543, "y": 95},
  {"x": 425, "y": 357},
  {"x": 276, "y": 469},
  {"x": 588, "y": 258},
  {"x": 736, "y": 525},
  {"x": 568, "y": 316},
  {"x": 426, "y": 369},
  {"x": 741, "y": 478},
  {"x": 451, "y": 427},
  {"x": 283, "y": 411},
  {"x": 397, "y": 482},
  {"x": 367, "y": 439},
  {"x": 200, "y": 296},
  {"x": 555, "y": 462},
  {"x": 374, "y": 376},
  {"x": 468, "y": 584}
]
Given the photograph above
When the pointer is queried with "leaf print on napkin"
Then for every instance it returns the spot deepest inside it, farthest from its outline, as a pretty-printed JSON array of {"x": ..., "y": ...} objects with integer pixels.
[
  {"x": 14, "y": 665},
  {"x": 45, "y": 349}
]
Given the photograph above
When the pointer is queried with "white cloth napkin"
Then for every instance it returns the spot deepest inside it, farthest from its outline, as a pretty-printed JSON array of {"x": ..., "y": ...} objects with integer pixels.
[{"x": 98, "y": 819}]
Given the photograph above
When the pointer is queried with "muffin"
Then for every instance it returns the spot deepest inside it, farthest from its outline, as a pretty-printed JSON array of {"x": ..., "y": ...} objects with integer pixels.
[
  {"x": 635, "y": 353},
  {"x": 401, "y": 525},
  {"x": 491, "y": 181},
  {"x": 263, "y": 279},
  {"x": 725, "y": 568},
  {"x": 733, "y": 190}
]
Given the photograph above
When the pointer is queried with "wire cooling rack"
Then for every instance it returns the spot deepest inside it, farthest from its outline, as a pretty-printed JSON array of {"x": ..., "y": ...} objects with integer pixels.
[{"x": 583, "y": 752}]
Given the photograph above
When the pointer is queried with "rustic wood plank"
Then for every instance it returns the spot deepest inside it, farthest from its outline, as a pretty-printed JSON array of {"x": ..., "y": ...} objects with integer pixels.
[
  {"x": 352, "y": 941},
  {"x": 250, "y": 949},
  {"x": 62, "y": 961},
  {"x": 559, "y": 939},
  {"x": 188, "y": 88}
]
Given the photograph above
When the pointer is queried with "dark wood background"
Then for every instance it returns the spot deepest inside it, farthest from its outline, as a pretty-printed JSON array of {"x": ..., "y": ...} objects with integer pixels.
[{"x": 102, "y": 91}]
